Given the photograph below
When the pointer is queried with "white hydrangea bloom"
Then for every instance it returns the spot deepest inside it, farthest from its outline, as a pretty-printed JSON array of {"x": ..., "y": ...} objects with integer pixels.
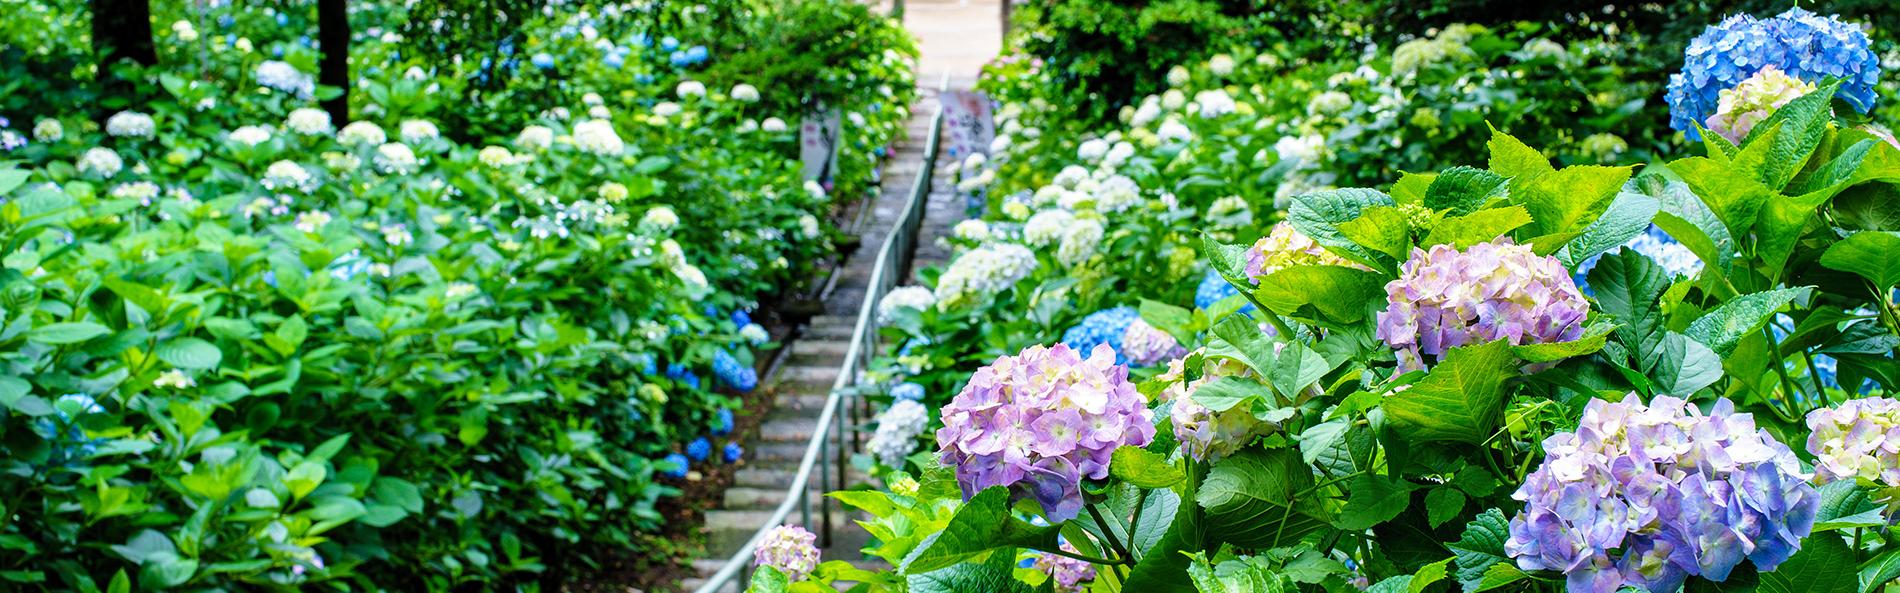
[
  {"x": 100, "y": 161},
  {"x": 897, "y": 430},
  {"x": 361, "y": 133},
  {"x": 1119, "y": 154},
  {"x": 309, "y": 122},
  {"x": 312, "y": 221},
  {"x": 772, "y": 124},
  {"x": 612, "y": 192},
  {"x": 1149, "y": 111},
  {"x": 495, "y": 156},
  {"x": 287, "y": 176},
  {"x": 250, "y": 135},
  {"x": 1299, "y": 149},
  {"x": 660, "y": 217},
  {"x": 973, "y": 230},
  {"x": 1047, "y": 227},
  {"x": 143, "y": 191},
  {"x": 808, "y": 226},
  {"x": 983, "y": 272},
  {"x": 416, "y": 131},
  {"x": 174, "y": 379},
  {"x": 590, "y": 99},
  {"x": 745, "y": 93},
  {"x": 1173, "y": 99},
  {"x": 1177, "y": 76},
  {"x": 1214, "y": 103},
  {"x": 690, "y": 88},
  {"x": 598, "y": 137},
  {"x": 1329, "y": 103},
  {"x": 906, "y": 297},
  {"x": 283, "y": 77},
  {"x": 131, "y": 124},
  {"x": 48, "y": 130},
  {"x": 666, "y": 109},
  {"x": 535, "y": 137},
  {"x": 1080, "y": 242},
  {"x": 395, "y": 158},
  {"x": 1071, "y": 176},
  {"x": 1221, "y": 64},
  {"x": 1174, "y": 131},
  {"x": 1117, "y": 193},
  {"x": 1092, "y": 150}
]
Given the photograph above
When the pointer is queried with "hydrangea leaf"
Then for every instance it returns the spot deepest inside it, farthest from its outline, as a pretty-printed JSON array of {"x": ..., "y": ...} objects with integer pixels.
[
  {"x": 1175, "y": 321},
  {"x": 1628, "y": 216},
  {"x": 1249, "y": 500},
  {"x": 1568, "y": 199},
  {"x": 994, "y": 576},
  {"x": 1591, "y": 341},
  {"x": 1724, "y": 327},
  {"x": 1736, "y": 199},
  {"x": 72, "y": 332},
  {"x": 1374, "y": 499},
  {"x": 1318, "y": 215},
  {"x": 1880, "y": 571},
  {"x": 1781, "y": 145},
  {"x": 1464, "y": 190},
  {"x": 1157, "y": 517},
  {"x": 1429, "y": 575},
  {"x": 1477, "y": 227},
  {"x": 1144, "y": 469},
  {"x": 1411, "y": 187},
  {"x": 1460, "y": 400},
  {"x": 1480, "y": 548},
  {"x": 189, "y": 353},
  {"x": 1682, "y": 366},
  {"x": 1824, "y": 565},
  {"x": 1397, "y": 584},
  {"x": 1844, "y": 505},
  {"x": 1499, "y": 575},
  {"x": 1443, "y": 504},
  {"x": 1241, "y": 575},
  {"x": 1164, "y": 567},
  {"x": 982, "y": 525},
  {"x": 1868, "y": 254},
  {"x": 1510, "y": 157},
  {"x": 1780, "y": 226},
  {"x": 1844, "y": 168},
  {"x": 1382, "y": 229},
  {"x": 1337, "y": 293}
]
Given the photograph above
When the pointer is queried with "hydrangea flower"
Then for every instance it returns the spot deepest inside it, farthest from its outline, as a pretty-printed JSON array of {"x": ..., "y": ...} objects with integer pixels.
[
  {"x": 1860, "y": 439},
  {"x": 131, "y": 124},
  {"x": 745, "y": 93},
  {"x": 1674, "y": 257},
  {"x": 416, "y": 131},
  {"x": 1116, "y": 194},
  {"x": 1079, "y": 244},
  {"x": 48, "y": 130},
  {"x": 699, "y": 449},
  {"x": 536, "y": 137},
  {"x": 1739, "y": 109},
  {"x": 677, "y": 466},
  {"x": 680, "y": 373},
  {"x": 1213, "y": 289},
  {"x": 897, "y": 430},
  {"x": 598, "y": 137},
  {"x": 973, "y": 230},
  {"x": 1285, "y": 247},
  {"x": 1647, "y": 496},
  {"x": 983, "y": 272},
  {"x": 395, "y": 158},
  {"x": 1800, "y": 43},
  {"x": 1144, "y": 345},
  {"x": 1047, "y": 227},
  {"x": 1104, "y": 327},
  {"x": 99, "y": 161},
  {"x": 287, "y": 176},
  {"x": 790, "y": 549},
  {"x": 1040, "y": 422},
  {"x": 1204, "y": 434},
  {"x": 285, "y": 78},
  {"x": 907, "y": 297},
  {"x": 361, "y": 133},
  {"x": 1329, "y": 103},
  {"x": 909, "y": 391},
  {"x": 1173, "y": 131},
  {"x": 722, "y": 422},
  {"x": 1068, "y": 574},
  {"x": 250, "y": 135},
  {"x": 732, "y": 452},
  {"x": 1444, "y": 298},
  {"x": 735, "y": 375},
  {"x": 754, "y": 334}
]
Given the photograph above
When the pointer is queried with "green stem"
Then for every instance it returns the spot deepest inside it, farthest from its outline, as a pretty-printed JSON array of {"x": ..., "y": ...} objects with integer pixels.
[
  {"x": 1108, "y": 532},
  {"x": 1887, "y": 313},
  {"x": 1141, "y": 500},
  {"x": 1781, "y": 369}
]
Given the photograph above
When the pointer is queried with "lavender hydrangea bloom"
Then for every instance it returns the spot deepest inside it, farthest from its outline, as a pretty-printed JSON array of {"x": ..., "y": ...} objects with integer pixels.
[
  {"x": 1106, "y": 326},
  {"x": 1285, "y": 247},
  {"x": 1446, "y": 298},
  {"x": 1648, "y": 496},
  {"x": 1859, "y": 439},
  {"x": 1041, "y": 421},
  {"x": 1206, "y": 435},
  {"x": 1803, "y": 44},
  {"x": 1144, "y": 345},
  {"x": 790, "y": 549},
  {"x": 1070, "y": 575}
]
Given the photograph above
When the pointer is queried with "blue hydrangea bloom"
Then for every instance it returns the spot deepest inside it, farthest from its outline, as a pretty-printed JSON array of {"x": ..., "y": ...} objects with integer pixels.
[
  {"x": 542, "y": 60},
  {"x": 722, "y": 422},
  {"x": 1101, "y": 327},
  {"x": 614, "y": 60},
  {"x": 735, "y": 375},
  {"x": 678, "y": 58},
  {"x": 63, "y": 429},
  {"x": 908, "y": 391},
  {"x": 697, "y": 54},
  {"x": 741, "y": 318},
  {"x": 733, "y": 452},
  {"x": 646, "y": 363},
  {"x": 1212, "y": 290},
  {"x": 641, "y": 40},
  {"x": 1803, "y": 44},
  {"x": 679, "y": 465},
  {"x": 680, "y": 373},
  {"x": 668, "y": 43},
  {"x": 699, "y": 449},
  {"x": 1675, "y": 258}
]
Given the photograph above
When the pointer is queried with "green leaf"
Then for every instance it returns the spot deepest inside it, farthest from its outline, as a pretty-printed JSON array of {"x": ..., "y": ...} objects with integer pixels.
[
  {"x": 397, "y": 492},
  {"x": 1682, "y": 366},
  {"x": 1165, "y": 565},
  {"x": 1722, "y": 328},
  {"x": 290, "y": 334},
  {"x": 1337, "y": 293},
  {"x": 12, "y": 178},
  {"x": 59, "y": 334},
  {"x": 1874, "y": 255},
  {"x": 1143, "y": 468},
  {"x": 1249, "y": 499},
  {"x": 1381, "y": 229},
  {"x": 1735, "y": 198},
  {"x": 1591, "y": 341},
  {"x": 1497, "y": 576},
  {"x": 1569, "y": 199},
  {"x": 1824, "y": 565},
  {"x": 1464, "y": 190},
  {"x": 1788, "y": 138},
  {"x": 1478, "y": 227},
  {"x": 994, "y": 577},
  {"x": 1443, "y": 504},
  {"x": 1295, "y": 367},
  {"x": 1480, "y": 548},
  {"x": 1373, "y": 499},
  {"x": 1629, "y": 215},
  {"x": 982, "y": 525},
  {"x": 1176, "y": 321},
  {"x": 1318, "y": 215},
  {"x": 1512, "y": 158},
  {"x": 1844, "y": 505},
  {"x": 190, "y": 353},
  {"x": 766, "y": 579},
  {"x": 1879, "y": 572},
  {"x": 1460, "y": 400},
  {"x": 164, "y": 570},
  {"x": 1430, "y": 574},
  {"x": 1322, "y": 439}
]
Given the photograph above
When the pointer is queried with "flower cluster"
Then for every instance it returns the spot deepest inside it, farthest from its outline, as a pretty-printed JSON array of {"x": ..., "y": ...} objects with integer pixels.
[
  {"x": 1204, "y": 434},
  {"x": 983, "y": 272},
  {"x": 1804, "y": 45},
  {"x": 1213, "y": 289},
  {"x": 1445, "y": 298},
  {"x": 283, "y": 77},
  {"x": 1145, "y": 345},
  {"x": 1041, "y": 421},
  {"x": 598, "y": 137},
  {"x": 1648, "y": 496},
  {"x": 907, "y": 297},
  {"x": 131, "y": 124},
  {"x": 1739, "y": 109},
  {"x": 1070, "y": 575},
  {"x": 1080, "y": 241},
  {"x": 1104, "y": 327},
  {"x": 790, "y": 549},
  {"x": 1285, "y": 247},
  {"x": 897, "y": 430},
  {"x": 1674, "y": 257},
  {"x": 733, "y": 373},
  {"x": 1859, "y": 439}
]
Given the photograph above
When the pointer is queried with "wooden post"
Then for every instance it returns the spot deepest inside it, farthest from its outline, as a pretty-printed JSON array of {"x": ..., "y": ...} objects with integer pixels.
[{"x": 333, "y": 35}]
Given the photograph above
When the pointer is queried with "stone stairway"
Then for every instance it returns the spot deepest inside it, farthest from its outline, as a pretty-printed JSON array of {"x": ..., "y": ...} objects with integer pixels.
[{"x": 810, "y": 368}]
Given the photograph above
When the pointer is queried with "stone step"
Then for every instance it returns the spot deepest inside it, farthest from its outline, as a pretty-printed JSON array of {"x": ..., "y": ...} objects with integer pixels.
[
  {"x": 818, "y": 352},
  {"x": 807, "y": 378},
  {"x": 786, "y": 429},
  {"x": 759, "y": 499},
  {"x": 780, "y": 477}
]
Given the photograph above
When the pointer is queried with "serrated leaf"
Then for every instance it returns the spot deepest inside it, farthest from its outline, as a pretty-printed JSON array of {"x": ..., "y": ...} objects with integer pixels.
[
  {"x": 1480, "y": 548},
  {"x": 1463, "y": 190},
  {"x": 1443, "y": 504},
  {"x": 1512, "y": 158},
  {"x": 1337, "y": 293},
  {"x": 983, "y": 524},
  {"x": 1824, "y": 565},
  {"x": 1591, "y": 341},
  {"x": 1844, "y": 505},
  {"x": 1879, "y": 572},
  {"x": 1318, "y": 215},
  {"x": 1722, "y": 328},
  {"x": 1143, "y": 468},
  {"x": 1482, "y": 226},
  {"x": 1373, "y": 499},
  {"x": 1735, "y": 198},
  {"x": 1629, "y": 215},
  {"x": 1460, "y": 400},
  {"x": 1249, "y": 499},
  {"x": 1497, "y": 576},
  {"x": 1868, "y": 254},
  {"x": 1380, "y": 229},
  {"x": 1569, "y": 199}
]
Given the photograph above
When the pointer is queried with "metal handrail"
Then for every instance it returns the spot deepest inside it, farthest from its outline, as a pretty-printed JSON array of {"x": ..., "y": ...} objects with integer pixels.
[{"x": 897, "y": 246}]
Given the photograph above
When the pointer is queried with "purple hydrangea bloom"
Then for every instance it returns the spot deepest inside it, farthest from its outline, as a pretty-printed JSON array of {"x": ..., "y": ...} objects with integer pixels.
[
  {"x": 699, "y": 449},
  {"x": 734, "y": 374},
  {"x": 1445, "y": 298},
  {"x": 790, "y": 549},
  {"x": 1648, "y": 496},
  {"x": 1106, "y": 326},
  {"x": 1803, "y": 44},
  {"x": 678, "y": 464},
  {"x": 1069, "y": 575},
  {"x": 1860, "y": 439},
  {"x": 1206, "y": 435},
  {"x": 1041, "y": 421},
  {"x": 1144, "y": 345}
]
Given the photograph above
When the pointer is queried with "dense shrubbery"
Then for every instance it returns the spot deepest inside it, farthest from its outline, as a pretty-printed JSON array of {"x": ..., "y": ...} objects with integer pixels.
[
  {"x": 245, "y": 346},
  {"x": 1540, "y": 368}
]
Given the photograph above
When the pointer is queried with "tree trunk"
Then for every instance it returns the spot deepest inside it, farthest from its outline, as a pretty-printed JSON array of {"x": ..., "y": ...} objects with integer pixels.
[
  {"x": 333, "y": 37},
  {"x": 121, "y": 30}
]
